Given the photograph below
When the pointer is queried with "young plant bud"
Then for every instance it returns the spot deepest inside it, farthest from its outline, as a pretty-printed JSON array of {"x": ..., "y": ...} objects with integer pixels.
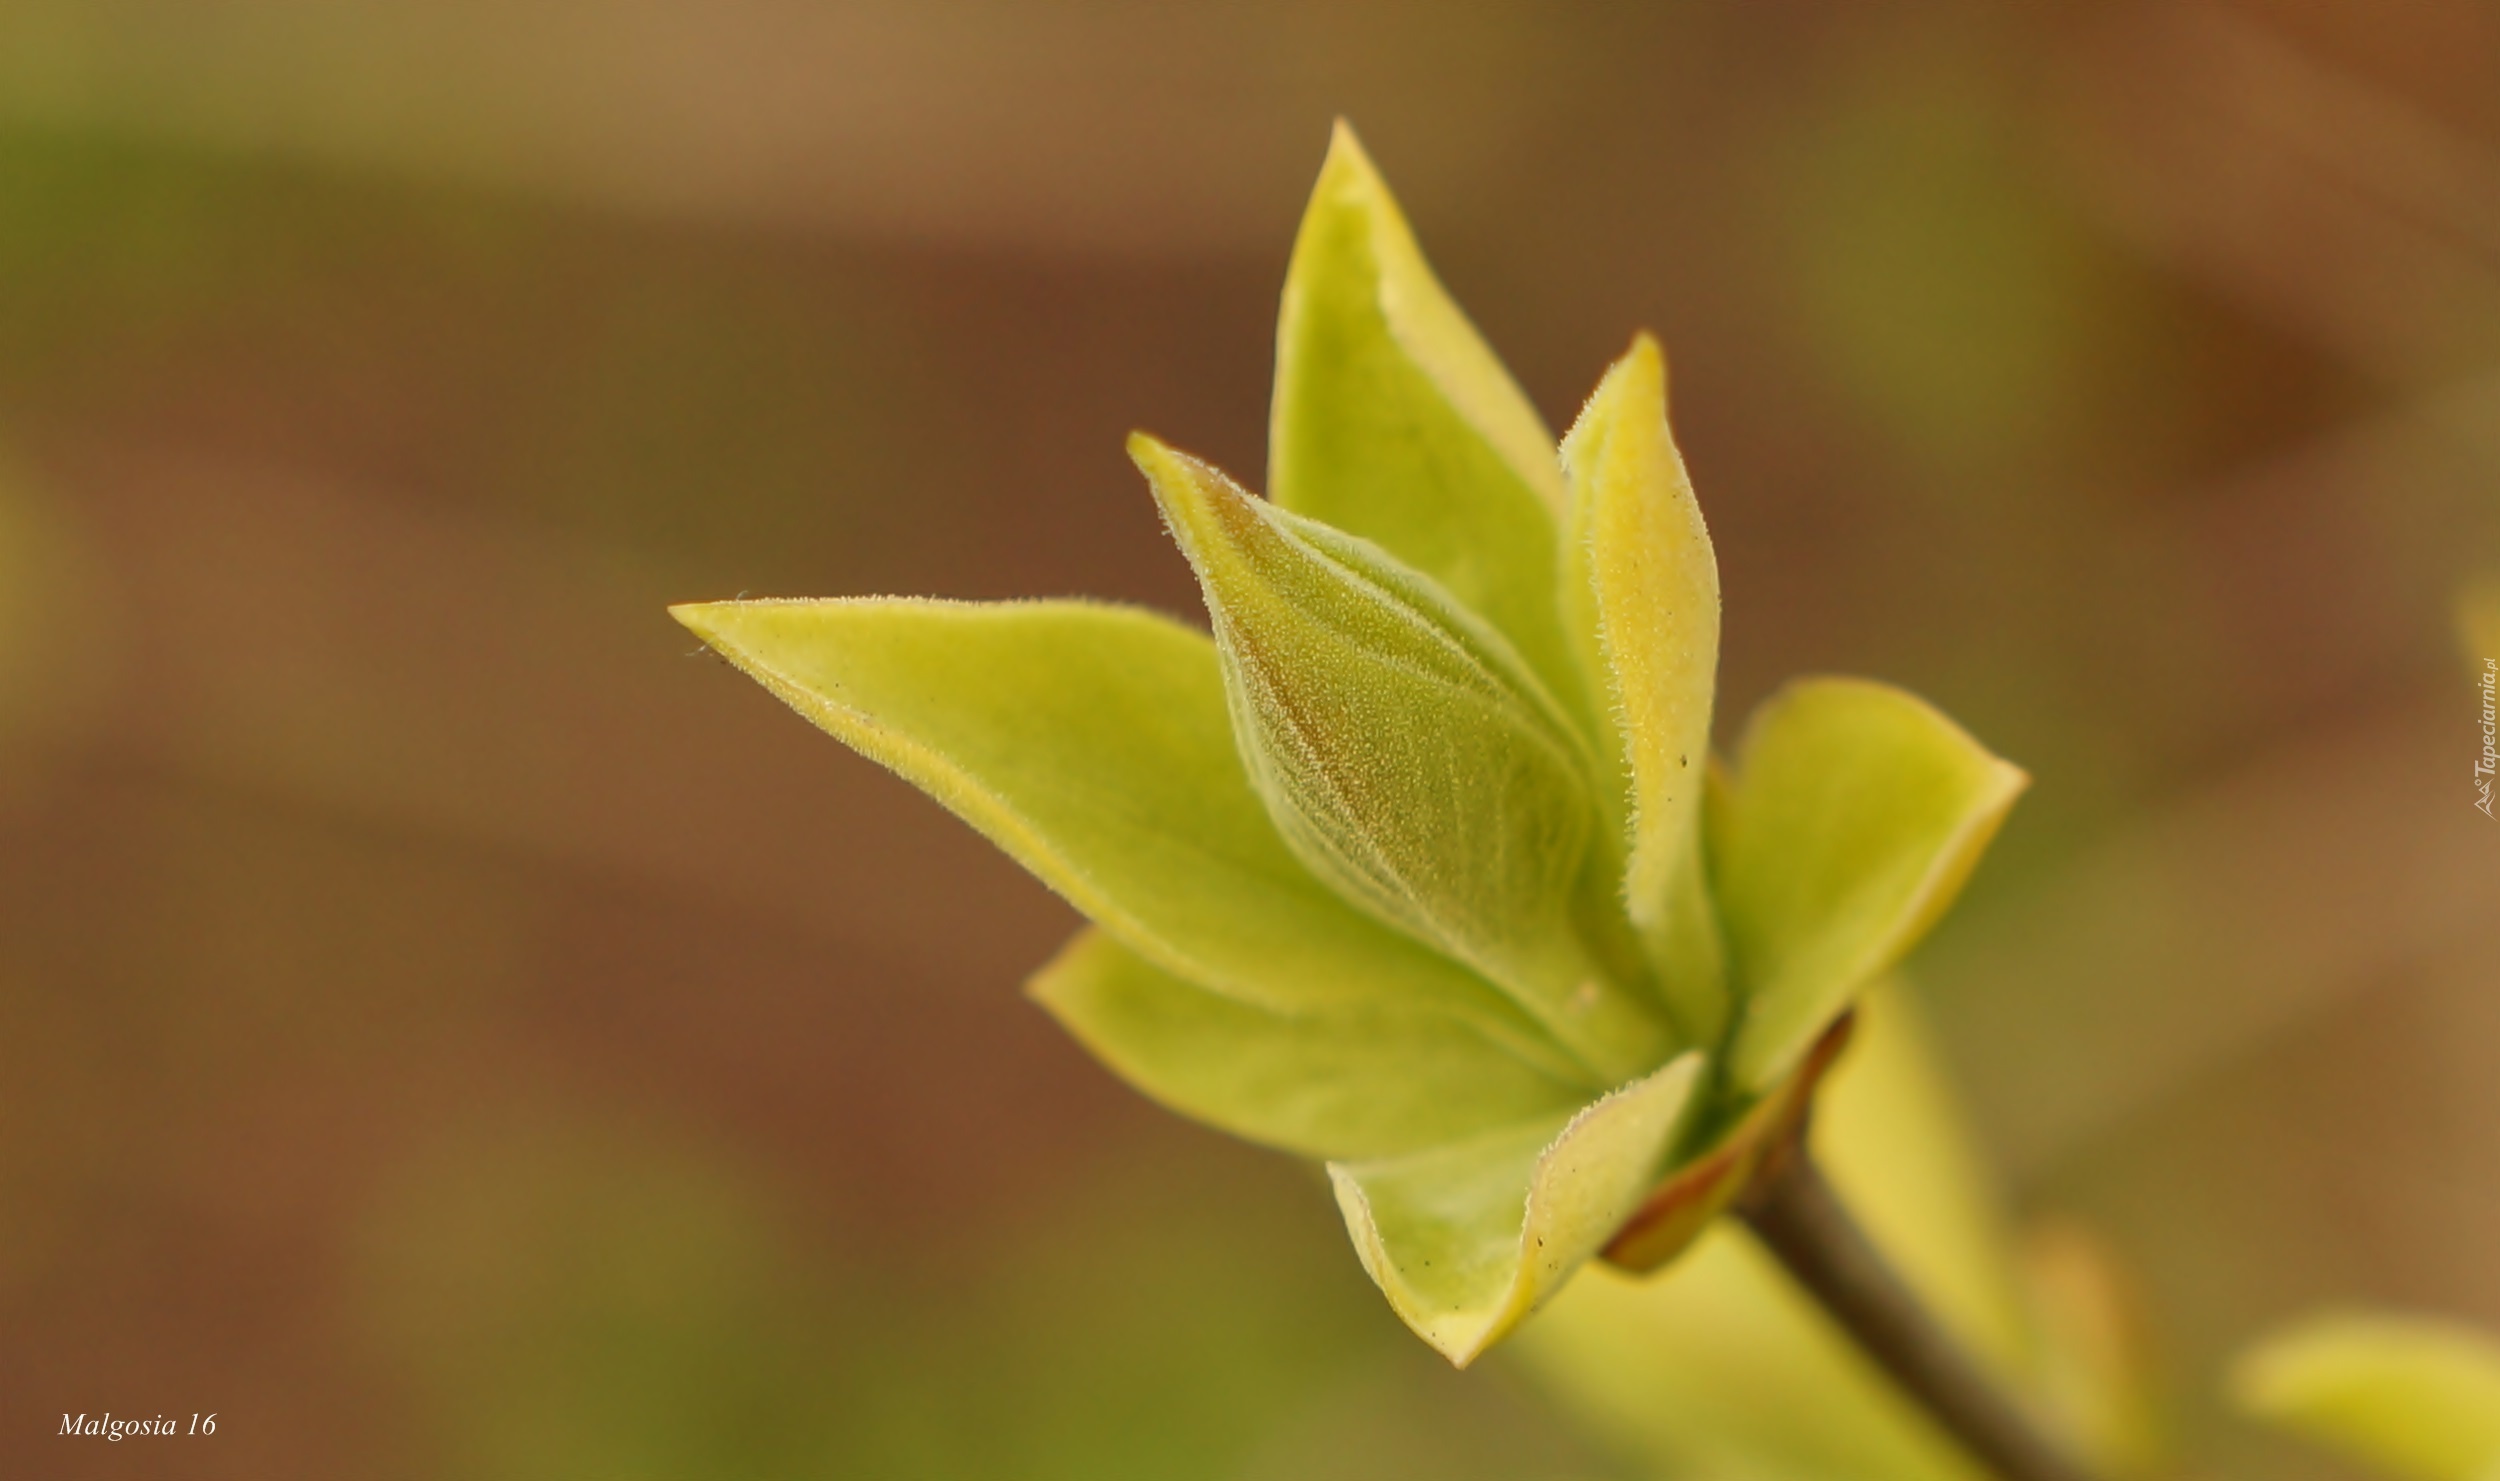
[
  {"x": 1405, "y": 752},
  {"x": 1422, "y": 865}
]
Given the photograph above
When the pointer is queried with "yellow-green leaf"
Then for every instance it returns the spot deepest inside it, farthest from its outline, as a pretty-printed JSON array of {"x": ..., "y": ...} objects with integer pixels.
[
  {"x": 1404, "y": 752},
  {"x": 1641, "y": 595},
  {"x": 1091, "y": 743},
  {"x": 2415, "y": 1397},
  {"x": 1467, "y": 1240},
  {"x": 1394, "y": 421},
  {"x": 1370, "y": 1080},
  {"x": 1854, "y": 815}
]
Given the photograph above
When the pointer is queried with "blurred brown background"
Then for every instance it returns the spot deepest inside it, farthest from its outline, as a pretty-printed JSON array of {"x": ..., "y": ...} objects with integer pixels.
[{"x": 447, "y": 1030}]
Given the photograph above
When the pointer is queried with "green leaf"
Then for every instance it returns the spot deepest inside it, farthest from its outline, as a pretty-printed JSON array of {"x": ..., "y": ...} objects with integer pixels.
[
  {"x": 1467, "y": 1240},
  {"x": 1404, "y": 752},
  {"x": 1855, "y": 813},
  {"x": 1091, "y": 743},
  {"x": 2415, "y": 1397},
  {"x": 1394, "y": 421},
  {"x": 1366, "y": 1081},
  {"x": 1641, "y": 594}
]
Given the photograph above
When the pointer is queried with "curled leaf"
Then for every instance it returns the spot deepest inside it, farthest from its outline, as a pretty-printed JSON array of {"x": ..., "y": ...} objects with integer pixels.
[
  {"x": 1365, "y": 1080},
  {"x": 1854, "y": 815},
  {"x": 1467, "y": 1240},
  {"x": 1641, "y": 590},
  {"x": 1091, "y": 743},
  {"x": 1395, "y": 422},
  {"x": 1404, "y": 752},
  {"x": 2415, "y": 1397}
]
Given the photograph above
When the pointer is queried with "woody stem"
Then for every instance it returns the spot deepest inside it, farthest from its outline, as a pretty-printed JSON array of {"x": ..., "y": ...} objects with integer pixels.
[{"x": 1798, "y": 1216}]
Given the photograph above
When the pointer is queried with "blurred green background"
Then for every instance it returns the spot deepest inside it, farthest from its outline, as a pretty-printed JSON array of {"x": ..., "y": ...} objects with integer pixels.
[{"x": 448, "y": 1030}]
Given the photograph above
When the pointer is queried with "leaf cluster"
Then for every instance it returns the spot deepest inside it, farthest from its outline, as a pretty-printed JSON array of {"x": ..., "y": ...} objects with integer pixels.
[{"x": 1419, "y": 862}]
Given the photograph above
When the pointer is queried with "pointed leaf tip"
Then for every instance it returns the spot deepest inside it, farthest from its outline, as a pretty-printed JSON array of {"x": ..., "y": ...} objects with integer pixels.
[
  {"x": 695, "y": 617},
  {"x": 1206, "y": 511},
  {"x": 1643, "y": 366},
  {"x": 1346, "y": 152}
]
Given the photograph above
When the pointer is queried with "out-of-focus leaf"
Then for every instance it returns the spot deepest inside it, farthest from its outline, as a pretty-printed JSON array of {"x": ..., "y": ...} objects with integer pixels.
[
  {"x": 1896, "y": 1142},
  {"x": 2096, "y": 1368},
  {"x": 1393, "y": 420},
  {"x": 1365, "y": 1081},
  {"x": 1703, "y": 1369},
  {"x": 1641, "y": 594},
  {"x": 2478, "y": 619},
  {"x": 2415, "y": 1397},
  {"x": 1854, "y": 815},
  {"x": 1467, "y": 1240},
  {"x": 1699, "y": 1369},
  {"x": 1091, "y": 743},
  {"x": 1405, "y": 753}
]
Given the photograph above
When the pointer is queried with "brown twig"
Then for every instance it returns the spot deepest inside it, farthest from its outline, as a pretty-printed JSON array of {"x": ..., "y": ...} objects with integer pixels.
[{"x": 1799, "y": 1217}]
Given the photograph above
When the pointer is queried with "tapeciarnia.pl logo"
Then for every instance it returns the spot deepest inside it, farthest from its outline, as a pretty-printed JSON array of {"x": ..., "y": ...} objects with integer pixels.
[{"x": 2484, "y": 764}]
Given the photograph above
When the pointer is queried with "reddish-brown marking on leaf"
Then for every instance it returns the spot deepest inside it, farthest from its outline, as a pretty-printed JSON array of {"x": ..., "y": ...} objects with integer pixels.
[{"x": 1676, "y": 1213}]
